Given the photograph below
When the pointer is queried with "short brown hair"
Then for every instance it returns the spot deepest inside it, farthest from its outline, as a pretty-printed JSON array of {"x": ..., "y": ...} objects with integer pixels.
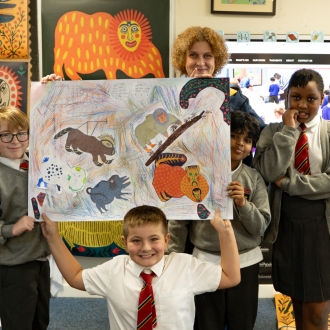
[
  {"x": 15, "y": 118},
  {"x": 187, "y": 38},
  {"x": 143, "y": 215}
]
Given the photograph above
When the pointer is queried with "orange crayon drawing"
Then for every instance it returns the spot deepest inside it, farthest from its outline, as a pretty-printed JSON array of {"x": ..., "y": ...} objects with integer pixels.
[{"x": 87, "y": 43}]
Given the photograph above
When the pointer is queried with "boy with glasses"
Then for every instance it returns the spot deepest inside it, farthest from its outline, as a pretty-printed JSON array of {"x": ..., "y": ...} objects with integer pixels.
[{"x": 24, "y": 267}]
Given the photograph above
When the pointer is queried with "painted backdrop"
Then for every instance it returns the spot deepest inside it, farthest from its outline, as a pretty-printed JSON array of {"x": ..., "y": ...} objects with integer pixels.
[
  {"x": 104, "y": 39},
  {"x": 99, "y": 148}
]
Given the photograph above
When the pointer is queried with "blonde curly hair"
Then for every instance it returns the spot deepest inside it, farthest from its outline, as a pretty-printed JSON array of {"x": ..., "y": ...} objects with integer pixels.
[{"x": 187, "y": 38}]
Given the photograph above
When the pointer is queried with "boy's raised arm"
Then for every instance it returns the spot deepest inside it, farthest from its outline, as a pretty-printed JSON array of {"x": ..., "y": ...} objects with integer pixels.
[
  {"x": 66, "y": 262},
  {"x": 231, "y": 273}
]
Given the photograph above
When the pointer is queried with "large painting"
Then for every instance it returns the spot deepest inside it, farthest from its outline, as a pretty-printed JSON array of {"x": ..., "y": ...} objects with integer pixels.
[
  {"x": 14, "y": 84},
  {"x": 14, "y": 29},
  {"x": 99, "y": 148},
  {"x": 104, "y": 39}
]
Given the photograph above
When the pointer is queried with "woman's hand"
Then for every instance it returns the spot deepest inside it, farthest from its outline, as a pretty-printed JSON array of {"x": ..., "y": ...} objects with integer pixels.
[{"x": 51, "y": 77}]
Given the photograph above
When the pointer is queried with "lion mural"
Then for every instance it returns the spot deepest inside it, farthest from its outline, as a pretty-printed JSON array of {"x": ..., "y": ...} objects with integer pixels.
[{"x": 87, "y": 43}]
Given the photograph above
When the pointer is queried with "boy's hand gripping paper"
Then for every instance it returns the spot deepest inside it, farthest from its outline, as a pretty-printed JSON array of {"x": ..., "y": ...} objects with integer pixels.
[{"x": 99, "y": 148}]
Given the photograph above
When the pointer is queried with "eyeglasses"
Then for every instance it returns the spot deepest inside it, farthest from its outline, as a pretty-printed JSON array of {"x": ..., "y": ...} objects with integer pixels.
[{"x": 8, "y": 137}]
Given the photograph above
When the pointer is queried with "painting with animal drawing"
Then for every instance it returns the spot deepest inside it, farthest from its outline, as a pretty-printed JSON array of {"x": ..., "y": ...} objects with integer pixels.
[
  {"x": 99, "y": 148},
  {"x": 106, "y": 39}
]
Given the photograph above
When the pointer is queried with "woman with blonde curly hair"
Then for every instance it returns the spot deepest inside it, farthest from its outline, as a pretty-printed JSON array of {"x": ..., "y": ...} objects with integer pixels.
[{"x": 200, "y": 52}]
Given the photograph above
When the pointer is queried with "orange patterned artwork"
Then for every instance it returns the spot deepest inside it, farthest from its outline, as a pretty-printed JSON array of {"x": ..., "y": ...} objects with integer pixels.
[
  {"x": 14, "y": 29},
  {"x": 87, "y": 43}
]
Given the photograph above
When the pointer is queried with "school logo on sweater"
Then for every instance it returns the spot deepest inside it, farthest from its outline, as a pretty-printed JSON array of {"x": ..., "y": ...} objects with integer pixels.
[{"x": 247, "y": 193}]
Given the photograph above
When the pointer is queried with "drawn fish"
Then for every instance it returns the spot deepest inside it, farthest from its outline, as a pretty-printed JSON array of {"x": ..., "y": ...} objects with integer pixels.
[{"x": 6, "y": 18}]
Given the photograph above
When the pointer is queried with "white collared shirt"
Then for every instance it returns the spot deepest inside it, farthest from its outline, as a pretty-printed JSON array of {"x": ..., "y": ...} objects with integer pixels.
[
  {"x": 314, "y": 145},
  {"x": 179, "y": 278},
  {"x": 13, "y": 163}
]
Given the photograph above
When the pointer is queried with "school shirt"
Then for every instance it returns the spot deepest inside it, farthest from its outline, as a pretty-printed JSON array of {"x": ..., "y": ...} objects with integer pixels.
[
  {"x": 245, "y": 259},
  {"x": 179, "y": 277},
  {"x": 14, "y": 163}
]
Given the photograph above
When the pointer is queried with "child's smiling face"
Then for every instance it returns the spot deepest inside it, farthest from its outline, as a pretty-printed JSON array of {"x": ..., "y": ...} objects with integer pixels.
[
  {"x": 14, "y": 149},
  {"x": 306, "y": 100}
]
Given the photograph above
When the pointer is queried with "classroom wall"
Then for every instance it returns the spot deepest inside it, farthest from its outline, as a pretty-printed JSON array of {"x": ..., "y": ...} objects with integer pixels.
[{"x": 303, "y": 16}]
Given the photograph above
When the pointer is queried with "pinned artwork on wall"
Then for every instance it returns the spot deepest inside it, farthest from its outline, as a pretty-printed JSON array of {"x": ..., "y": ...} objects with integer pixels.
[
  {"x": 106, "y": 39},
  {"x": 99, "y": 148},
  {"x": 14, "y": 83},
  {"x": 14, "y": 29}
]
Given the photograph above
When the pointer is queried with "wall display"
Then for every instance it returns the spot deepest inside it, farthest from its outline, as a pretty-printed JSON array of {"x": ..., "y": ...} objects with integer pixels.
[
  {"x": 99, "y": 148},
  {"x": 245, "y": 7},
  {"x": 14, "y": 83},
  {"x": 103, "y": 39},
  {"x": 14, "y": 29}
]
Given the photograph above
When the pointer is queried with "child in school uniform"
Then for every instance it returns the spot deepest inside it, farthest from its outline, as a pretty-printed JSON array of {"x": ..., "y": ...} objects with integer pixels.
[
  {"x": 294, "y": 157},
  {"x": 236, "y": 307},
  {"x": 24, "y": 267},
  {"x": 174, "y": 278}
]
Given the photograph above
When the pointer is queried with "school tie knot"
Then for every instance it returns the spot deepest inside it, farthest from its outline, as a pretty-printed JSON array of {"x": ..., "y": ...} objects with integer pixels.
[
  {"x": 24, "y": 165},
  {"x": 303, "y": 127},
  {"x": 147, "y": 278},
  {"x": 146, "y": 310}
]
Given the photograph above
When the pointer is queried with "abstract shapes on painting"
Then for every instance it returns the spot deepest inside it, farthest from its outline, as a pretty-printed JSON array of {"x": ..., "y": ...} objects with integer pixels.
[
  {"x": 106, "y": 191},
  {"x": 78, "y": 141},
  {"x": 14, "y": 29},
  {"x": 192, "y": 88},
  {"x": 93, "y": 239},
  {"x": 70, "y": 179},
  {"x": 168, "y": 176},
  {"x": 202, "y": 212},
  {"x": 35, "y": 208},
  {"x": 87, "y": 43},
  {"x": 171, "y": 180},
  {"x": 41, "y": 197},
  {"x": 157, "y": 123},
  {"x": 176, "y": 132},
  {"x": 194, "y": 184}
]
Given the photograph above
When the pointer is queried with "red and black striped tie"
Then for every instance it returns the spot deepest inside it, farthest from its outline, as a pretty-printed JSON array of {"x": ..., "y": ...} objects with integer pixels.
[
  {"x": 147, "y": 312},
  {"x": 301, "y": 162}
]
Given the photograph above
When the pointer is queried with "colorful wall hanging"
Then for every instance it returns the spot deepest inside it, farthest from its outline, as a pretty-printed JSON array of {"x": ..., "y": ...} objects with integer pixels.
[
  {"x": 14, "y": 83},
  {"x": 14, "y": 29},
  {"x": 106, "y": 39},
  {"x": 99, "y": 148}
]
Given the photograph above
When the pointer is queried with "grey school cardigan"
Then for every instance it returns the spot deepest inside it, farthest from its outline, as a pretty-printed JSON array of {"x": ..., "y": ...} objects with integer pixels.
[
  {"x": 275, "y": 150},
  {"x": 28, "y": 246}
]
